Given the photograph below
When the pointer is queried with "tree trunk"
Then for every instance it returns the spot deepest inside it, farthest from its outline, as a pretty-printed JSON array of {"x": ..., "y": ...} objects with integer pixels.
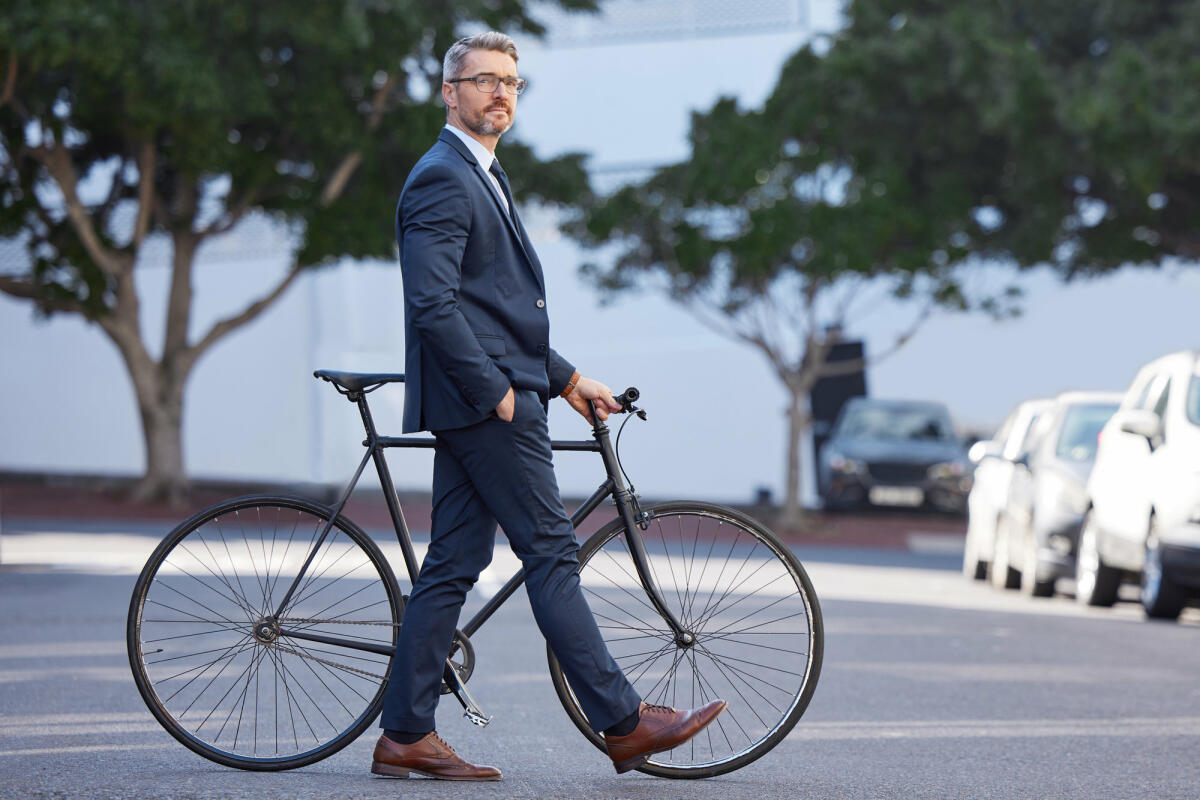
[
  {"x": 158, "y": 387},
  {"x": 798, "y": 422},
  {"x": 162, "y": 431}
]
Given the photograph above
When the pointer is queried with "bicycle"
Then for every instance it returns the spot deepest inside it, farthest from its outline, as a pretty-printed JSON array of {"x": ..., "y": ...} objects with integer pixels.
[{"x": 261, "y": 629}]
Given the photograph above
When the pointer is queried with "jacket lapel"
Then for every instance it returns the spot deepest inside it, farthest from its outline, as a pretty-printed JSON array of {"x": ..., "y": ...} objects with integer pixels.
[{"x": 510, "y": 219}]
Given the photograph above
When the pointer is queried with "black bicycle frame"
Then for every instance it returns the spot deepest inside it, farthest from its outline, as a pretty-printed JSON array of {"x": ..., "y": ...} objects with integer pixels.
[{"x": 614, "y": 486}]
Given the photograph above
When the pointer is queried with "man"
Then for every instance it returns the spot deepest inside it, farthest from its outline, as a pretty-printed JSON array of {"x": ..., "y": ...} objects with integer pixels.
[{"x": 480, "y": 373}]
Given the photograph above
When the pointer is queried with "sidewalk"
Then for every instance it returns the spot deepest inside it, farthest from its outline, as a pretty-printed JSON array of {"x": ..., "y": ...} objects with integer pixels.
[{"x": 84, "y": 504}]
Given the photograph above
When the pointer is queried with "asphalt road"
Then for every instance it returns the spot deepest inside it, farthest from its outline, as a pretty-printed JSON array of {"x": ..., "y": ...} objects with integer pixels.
[{"x": 933, "y": 687}]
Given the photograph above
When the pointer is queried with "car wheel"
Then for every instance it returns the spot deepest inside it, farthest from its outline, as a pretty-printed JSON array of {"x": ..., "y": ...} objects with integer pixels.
[
  {"x": 1030, "y": 585},
  {"x": 1004, "y": 575},
  {"x": 1096, "y": 583},
  {"x": 973, "y": 567},
  {"x": 1162, "y": 598}
]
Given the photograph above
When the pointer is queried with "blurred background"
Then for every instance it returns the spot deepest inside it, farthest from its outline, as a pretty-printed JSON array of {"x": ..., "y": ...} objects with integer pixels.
[
  {"x": 993, "y": 200},
  {"x": 914, "y": 283}
]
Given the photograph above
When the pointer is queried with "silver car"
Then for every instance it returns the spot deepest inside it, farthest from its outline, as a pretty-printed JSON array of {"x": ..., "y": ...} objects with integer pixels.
[
  {"x": 1038, "y": 534},
  {"x": 995, "y": 462}
]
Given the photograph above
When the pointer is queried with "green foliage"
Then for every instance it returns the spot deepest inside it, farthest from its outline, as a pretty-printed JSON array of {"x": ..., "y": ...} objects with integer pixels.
[
  {"x": 928, "y": 134},
  {"x": 263, "y": 99}
]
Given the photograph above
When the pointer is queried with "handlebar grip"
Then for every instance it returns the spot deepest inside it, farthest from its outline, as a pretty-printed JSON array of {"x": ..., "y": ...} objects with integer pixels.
[{"x": 628, "y": 397}]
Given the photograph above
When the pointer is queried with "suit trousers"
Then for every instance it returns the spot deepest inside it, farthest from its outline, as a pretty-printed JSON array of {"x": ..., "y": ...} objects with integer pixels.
[{"x": 497, "y": 471}]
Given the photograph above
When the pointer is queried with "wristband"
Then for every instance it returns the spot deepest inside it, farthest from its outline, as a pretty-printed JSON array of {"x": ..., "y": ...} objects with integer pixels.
[{"x": 570, "y": 384}]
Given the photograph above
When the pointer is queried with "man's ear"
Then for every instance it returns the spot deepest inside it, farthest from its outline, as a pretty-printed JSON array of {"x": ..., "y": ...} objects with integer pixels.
[{"x": 448, "y": 95}]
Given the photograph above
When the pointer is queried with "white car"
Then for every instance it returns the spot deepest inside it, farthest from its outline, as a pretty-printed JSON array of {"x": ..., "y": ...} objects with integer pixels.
[
  {"x": 994, "y": 462},
  {"x": 1144, "y": 519}
]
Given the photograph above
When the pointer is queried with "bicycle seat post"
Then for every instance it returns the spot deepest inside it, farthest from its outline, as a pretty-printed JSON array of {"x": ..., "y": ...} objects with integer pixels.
[{"x": 372, "y": 443}]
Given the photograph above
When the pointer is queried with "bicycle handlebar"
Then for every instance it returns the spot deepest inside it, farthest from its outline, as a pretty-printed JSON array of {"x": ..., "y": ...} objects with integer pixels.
[{"x": 625, "y": 399}]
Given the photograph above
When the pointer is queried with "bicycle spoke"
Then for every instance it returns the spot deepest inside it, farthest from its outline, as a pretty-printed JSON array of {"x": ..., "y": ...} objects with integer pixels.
[
  {"x": 240, "y": 693},
  {"x": 746, "y": 601}
]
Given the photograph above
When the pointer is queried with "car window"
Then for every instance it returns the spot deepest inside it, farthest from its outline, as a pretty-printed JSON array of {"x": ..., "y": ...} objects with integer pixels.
[
  {"x": 1039, "y": 426},
  {"x": 892, "y": 422},
  {"x": 1080, "y": 431},
  {"x": 1160, "y": 406},
  {"x": 1019, "y": 442},
  {"x": 1005, "y": 428},
  {"x": 1193, "y": 400},
  {"x": 1144, "y": 393}
]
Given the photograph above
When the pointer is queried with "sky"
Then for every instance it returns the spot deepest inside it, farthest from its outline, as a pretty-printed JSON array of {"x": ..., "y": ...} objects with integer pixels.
[{"x": 716, "y": 428}]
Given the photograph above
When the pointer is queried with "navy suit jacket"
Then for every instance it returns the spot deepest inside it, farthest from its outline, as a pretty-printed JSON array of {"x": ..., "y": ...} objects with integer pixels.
[{"x": 475, "y": 317}]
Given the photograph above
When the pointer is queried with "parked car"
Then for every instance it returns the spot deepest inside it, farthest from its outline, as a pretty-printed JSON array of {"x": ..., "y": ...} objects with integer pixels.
[
  {"x": 894, "y": 453},
  {"x": 1143, "y": 522},
  {"x": 1039, "y": 527},
  {"x": 994, "y": 461}
]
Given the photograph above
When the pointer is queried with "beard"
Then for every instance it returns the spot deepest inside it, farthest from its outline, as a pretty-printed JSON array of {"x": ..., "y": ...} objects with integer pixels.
[{"x": 485, "y": 127}]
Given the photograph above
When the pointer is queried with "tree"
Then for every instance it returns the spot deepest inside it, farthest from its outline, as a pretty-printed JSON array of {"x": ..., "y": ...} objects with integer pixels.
[
  {"x": 776, "y": 239},
  {"x": 1041, "y": 133},
  {"x": 922, "y": 139},
  {"x": 123, "y": 120}
]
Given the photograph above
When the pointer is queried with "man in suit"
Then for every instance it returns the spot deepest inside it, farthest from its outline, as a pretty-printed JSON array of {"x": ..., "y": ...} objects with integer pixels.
[{"x": 480, "y": 374}]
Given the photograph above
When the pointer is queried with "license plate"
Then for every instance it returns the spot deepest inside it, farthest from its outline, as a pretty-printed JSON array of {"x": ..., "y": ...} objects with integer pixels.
[{"x": 896, "y": 495}]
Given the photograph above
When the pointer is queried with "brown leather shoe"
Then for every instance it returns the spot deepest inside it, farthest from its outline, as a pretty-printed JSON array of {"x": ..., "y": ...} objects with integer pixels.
[
  {"x": 659, "y": 728},
  {"x": 430, "y": 757}
]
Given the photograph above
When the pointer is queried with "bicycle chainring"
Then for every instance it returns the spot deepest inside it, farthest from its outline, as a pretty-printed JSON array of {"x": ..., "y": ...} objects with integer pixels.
[{"x": 462, "y": 657}]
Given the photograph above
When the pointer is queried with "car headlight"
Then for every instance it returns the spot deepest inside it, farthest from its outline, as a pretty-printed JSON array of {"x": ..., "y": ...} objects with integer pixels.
[
  {"x": 846, "y": 466},
  {"x": 947, "y": 470}
]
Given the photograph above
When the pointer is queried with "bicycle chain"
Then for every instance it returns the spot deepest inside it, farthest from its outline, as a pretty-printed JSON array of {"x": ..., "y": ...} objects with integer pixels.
[
  {"x": 326, "y": 662},
  {"x": 336, "y": 621}
]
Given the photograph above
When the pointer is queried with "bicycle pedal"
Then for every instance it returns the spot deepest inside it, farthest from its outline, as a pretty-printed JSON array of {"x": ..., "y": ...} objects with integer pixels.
[{"x": 476, "y": 717}]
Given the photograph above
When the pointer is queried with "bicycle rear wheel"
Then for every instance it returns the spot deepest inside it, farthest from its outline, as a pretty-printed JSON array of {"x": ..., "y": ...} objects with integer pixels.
[
  {"x": 207, "y": 656},
  {"x": 748, "y": 603}
]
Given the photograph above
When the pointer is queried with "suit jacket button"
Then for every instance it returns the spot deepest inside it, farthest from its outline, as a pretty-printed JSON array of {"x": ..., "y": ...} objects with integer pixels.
[
  {"x": 541, "y": 303},
  {"x": 541, "y": 348}
]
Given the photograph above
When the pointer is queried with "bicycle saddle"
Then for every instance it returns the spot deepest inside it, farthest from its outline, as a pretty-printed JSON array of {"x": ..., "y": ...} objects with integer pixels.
[{"x": 358, "y": 381}]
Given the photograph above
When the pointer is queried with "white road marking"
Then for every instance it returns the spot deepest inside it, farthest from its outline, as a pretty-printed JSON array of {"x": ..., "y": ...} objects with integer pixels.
[
  {"x": 85, "y": 748},
  {"x": 994, "y": 729}
]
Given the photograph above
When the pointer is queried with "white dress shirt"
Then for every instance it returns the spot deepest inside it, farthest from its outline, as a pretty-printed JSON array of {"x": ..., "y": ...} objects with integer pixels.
[{"x": 485, "y": 159}]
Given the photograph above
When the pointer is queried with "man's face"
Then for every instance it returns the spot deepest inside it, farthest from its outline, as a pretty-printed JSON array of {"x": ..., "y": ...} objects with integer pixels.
[{"x": 483, "y": 113}]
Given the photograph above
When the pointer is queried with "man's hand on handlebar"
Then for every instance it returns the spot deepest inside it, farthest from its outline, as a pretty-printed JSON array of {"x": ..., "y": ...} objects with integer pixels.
[{"x": 598, "y": 393}]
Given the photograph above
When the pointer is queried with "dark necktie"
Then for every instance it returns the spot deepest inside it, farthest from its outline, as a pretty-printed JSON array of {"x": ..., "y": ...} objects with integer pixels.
[{"x": 496, "y": 170}]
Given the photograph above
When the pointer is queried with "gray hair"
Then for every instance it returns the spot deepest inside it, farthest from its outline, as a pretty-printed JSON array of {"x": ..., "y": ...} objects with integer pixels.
[{"x": 452, "y": 64}]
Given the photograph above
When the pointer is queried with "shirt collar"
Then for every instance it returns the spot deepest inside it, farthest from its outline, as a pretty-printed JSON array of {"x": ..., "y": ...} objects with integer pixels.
[{"x": 481, "y": 153}]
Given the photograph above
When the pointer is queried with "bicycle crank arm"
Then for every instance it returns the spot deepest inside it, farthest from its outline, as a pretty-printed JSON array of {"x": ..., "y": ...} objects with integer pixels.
[{"x": 471, "y": 709}]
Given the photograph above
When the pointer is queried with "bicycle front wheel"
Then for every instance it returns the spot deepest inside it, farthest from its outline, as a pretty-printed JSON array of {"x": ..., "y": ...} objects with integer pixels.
[
  {"x": 206, "y": 651},
  {"x": 753, "y": 614}
]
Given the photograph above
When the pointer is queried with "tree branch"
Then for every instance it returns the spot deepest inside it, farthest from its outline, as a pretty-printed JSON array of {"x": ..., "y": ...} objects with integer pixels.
[
  {"x": 907, "y": 333},
  {"x": 341, "y": 175},
  {"x": 58, "y": 163},
  {"x": 10, "y": 81},
  {"x": 231, "y": 323},
  {"x": 147, "y": 159},
  {"x": 233, "y": 216},
  {"x": 25, "y": 290},
  {"x": 179, "y": 298}
]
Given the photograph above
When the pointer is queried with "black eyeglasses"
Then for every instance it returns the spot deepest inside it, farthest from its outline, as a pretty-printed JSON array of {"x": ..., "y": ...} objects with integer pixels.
[{"x": 487, "y": 83}]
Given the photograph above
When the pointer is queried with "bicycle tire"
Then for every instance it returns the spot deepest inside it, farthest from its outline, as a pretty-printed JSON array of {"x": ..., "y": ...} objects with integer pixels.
[
  {"x": 708, "y": 561},
  {"x": 198, "y": 662}
]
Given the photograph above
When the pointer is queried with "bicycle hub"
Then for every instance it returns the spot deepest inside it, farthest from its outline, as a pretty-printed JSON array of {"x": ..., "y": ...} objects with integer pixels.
[{"x": 266, "y": 630}]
